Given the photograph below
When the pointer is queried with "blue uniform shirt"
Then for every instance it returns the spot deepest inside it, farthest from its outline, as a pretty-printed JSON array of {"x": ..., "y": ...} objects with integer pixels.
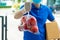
[{"x": 41, "y": 14}]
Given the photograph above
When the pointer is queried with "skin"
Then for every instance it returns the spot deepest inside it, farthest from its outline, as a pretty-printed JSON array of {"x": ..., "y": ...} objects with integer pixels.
[{"x": 19, "y": 14}]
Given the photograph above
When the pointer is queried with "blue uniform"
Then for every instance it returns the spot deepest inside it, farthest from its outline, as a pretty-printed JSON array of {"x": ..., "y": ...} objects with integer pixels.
[{"x": 41, "y": 14}]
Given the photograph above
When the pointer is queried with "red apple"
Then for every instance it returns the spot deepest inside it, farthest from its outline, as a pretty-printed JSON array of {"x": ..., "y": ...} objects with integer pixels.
[
  {"x": 23, "y": 19},
  {"x": 32, "y": 21},
  {"x": 34, "y": 29},
  {"x": 25, "y": 26}
]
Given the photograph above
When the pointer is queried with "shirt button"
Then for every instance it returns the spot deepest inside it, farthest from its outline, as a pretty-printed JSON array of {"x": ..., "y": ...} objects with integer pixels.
[{"x": 38, "y": 12}]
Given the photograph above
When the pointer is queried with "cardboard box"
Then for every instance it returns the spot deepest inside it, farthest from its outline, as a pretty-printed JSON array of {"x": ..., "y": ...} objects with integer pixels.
[
  {"x": 59, "y": 34},
  {"x": 52, "y": 31}
]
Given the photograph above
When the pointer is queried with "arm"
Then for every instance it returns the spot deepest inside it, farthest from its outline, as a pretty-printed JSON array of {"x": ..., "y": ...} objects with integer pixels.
[
  {"x": 27, "y": 8},
  {"x": 19, "y": 14},
  {"x": 50, "y": 15}
]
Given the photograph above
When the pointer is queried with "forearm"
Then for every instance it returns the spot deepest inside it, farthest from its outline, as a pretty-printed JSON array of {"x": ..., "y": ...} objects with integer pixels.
[
  {"x": 19, "y": 14},
  {"x": 27, "y": 8}
]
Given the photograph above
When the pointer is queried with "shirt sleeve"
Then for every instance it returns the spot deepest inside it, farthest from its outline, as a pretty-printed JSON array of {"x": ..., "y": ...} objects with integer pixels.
[
  {"x": 22, "y": 7},
  {"x": 50, "y": 15}
]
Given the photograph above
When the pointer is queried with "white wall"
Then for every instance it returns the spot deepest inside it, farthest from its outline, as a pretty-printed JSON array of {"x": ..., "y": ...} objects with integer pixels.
[{"x": 13, "y": 33}]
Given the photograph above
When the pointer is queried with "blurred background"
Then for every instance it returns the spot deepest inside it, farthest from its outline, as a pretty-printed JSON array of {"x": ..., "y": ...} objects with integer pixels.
[{"x": 9, "y": 7}]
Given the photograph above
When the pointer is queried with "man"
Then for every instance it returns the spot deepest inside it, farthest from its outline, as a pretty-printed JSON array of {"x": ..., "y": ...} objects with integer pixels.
[{"x": 41, "y": 13}]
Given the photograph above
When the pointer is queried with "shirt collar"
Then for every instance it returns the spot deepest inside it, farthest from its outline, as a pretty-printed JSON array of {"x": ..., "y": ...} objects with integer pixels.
[{"x": 34, "y": 7}]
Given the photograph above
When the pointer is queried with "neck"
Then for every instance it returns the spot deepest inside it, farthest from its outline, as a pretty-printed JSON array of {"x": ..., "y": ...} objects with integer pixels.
[{"x": 37, "y": 5}]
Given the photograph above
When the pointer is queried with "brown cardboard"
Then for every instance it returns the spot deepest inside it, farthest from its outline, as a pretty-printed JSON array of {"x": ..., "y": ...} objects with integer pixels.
[
  {"x": 52, "y": 30},
  {"x": 59, "y": 34}
]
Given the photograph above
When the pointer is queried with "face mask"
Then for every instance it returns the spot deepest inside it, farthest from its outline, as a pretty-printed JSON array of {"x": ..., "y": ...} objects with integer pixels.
[{"x": 36, "y": 1}]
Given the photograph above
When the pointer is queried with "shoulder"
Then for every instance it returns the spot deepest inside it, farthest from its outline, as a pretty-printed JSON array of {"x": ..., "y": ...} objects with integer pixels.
[{"x": 45, "y": 7}]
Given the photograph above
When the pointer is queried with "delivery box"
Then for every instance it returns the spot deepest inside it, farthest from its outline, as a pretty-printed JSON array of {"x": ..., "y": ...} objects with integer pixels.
[
  {"x": 52, "y": 31},
  {"x": 59, "y": 34}
]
